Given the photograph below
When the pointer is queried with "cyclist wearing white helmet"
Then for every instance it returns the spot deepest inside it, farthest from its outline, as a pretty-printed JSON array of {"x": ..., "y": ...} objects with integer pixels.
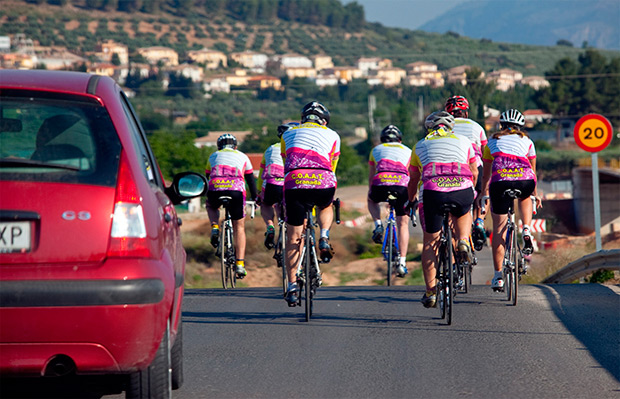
[
  {"x": 271, "y": 184},
  {"x": 458, "y": 106},
  {"x": 389, "y": 171},
  {"x": 509, "y": 162},
  {"x": 310, "y": 153},
  {"x": 228, "y": 170},
  {"x": 446, "y": 165}
]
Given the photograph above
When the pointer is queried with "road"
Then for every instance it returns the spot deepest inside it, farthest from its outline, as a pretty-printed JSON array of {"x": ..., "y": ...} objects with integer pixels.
[{"x": 561, "y": 341}]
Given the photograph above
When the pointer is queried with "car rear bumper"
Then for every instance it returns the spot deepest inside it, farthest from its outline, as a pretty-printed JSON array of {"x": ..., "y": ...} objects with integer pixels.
[{"x": 103, "y": 318}]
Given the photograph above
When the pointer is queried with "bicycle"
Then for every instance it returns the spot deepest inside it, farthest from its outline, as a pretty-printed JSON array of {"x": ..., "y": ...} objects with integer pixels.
[
  {"x": 390, "y": 248},
  {"x": 280, "y": 250},
  {"x": 514, "y": 263},
  {"x": 308, "y": 270},
  {"x": 226, "y": 248},
  {"x": 445, "y": 271}
]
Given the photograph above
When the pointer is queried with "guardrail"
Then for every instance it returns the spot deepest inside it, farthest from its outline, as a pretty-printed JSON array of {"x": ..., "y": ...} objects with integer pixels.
[{"x": 606, "y": 259}]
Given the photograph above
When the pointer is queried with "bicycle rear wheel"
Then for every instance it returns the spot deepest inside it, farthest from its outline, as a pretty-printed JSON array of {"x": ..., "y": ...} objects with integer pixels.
[
  {"x": 515, "y": 271},
  {"x": 509, "y": 266},
  {"x": 308, "y": 281},
  {"x": 280, "y": 257},
  {"x": 223, "y": 258},
  {"x": 390, "y": 253},
  {"x": 449, "y": 273}
]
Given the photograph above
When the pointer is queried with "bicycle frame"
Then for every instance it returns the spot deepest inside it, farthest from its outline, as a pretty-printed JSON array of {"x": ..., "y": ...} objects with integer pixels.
[
  {"x": 227, "y": 249},
  {"x": 512, "y": 252}
]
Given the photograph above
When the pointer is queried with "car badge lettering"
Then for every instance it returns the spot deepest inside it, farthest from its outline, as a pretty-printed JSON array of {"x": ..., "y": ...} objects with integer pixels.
[{"x": 72, "y": 215}]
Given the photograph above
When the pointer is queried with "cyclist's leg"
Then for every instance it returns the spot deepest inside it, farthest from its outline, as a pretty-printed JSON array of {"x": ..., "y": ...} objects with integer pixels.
[
  {"x": 323, "y": 202},
  {"x": 295, "y": 214},
  {"x": 212, "y": 205},
  {"x": 375, "y": 196},
  {"x": 525, "y": 209},
  {"x": 462, "y": 220},
  {"x": 432, "y": 220},
  {"x": 271, "y": 195}
]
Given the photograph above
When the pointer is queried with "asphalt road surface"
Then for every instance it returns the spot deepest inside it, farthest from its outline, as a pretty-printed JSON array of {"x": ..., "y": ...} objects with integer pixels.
[{"x": 560, "y": 341}]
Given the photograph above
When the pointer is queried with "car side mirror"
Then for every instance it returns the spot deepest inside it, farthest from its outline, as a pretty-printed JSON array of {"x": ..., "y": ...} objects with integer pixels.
[{"x": 186, "y": 185}]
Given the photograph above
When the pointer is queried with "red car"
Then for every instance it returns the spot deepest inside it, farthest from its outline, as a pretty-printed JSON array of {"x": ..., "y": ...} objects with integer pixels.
[{"x": 91, "y": 261}]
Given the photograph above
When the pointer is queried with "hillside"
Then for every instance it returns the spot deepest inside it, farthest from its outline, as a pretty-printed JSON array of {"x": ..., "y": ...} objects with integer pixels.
[{"x": 80, "y": 28}]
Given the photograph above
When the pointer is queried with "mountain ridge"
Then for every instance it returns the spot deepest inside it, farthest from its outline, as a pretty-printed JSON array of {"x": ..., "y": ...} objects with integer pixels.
[{"x": 595, "y": 22}]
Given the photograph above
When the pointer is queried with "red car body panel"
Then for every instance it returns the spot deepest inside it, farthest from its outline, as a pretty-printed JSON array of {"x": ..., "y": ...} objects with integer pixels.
[{"x": 67, "y": 296}]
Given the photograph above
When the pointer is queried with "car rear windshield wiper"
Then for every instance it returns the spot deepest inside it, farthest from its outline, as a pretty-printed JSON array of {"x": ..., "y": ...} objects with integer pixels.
[{"x": 13, "y": 162}]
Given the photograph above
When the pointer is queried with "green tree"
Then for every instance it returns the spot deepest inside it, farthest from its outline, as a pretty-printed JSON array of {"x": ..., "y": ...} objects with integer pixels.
[
  {"x": 176, "y": 152},
  {"x": 115, "y": 59}
]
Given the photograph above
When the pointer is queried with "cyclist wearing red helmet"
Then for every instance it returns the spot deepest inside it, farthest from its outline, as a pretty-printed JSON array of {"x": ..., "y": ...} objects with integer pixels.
[{"x": 458, "y": 106}]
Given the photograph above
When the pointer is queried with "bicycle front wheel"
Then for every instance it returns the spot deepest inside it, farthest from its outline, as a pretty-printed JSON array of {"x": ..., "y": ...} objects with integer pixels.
[
  {"x": 509, "y": 265},
  {"x": 515, "y": 271},
  {"x": 390, "y": 253}
]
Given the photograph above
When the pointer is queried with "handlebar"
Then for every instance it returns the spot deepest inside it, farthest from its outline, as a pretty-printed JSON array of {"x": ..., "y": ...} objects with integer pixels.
[
  {"x": 482, "y": 203},
  {"x": 337, "y": 207},
  {"x": 252, "y": 205},
  {"x": 412, "y": 209}
]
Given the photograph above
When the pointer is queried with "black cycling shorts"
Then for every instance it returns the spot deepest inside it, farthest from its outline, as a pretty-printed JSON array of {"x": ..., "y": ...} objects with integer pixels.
[
  {"x": 272, "y": 194},
  {"x": 298, "y": 200},
  {"x": 236, "y": 206},
  {"x": 380, "y": 194},
  {"x": 432, "y": 202},
  {"x": 500, "y": 203}
]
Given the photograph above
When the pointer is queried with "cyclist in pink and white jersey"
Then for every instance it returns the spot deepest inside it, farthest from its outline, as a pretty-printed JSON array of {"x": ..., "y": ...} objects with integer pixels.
[
  {"x": 389, "y": 172},
  {"x": 227, "y": 171},
  {"x": 310, "y": 153},
  {"x": 509, "y": 162},
  {"x": 458, "y": 106},
  {"x": 446, "y": 165},
  {"x": 271, "y": 185}
]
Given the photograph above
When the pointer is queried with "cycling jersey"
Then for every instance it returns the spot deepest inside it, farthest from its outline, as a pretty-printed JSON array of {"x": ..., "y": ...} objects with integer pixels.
[
  {"x": 474, "y": 132},
  {"x": 226, "y": 170},
  {"x": 311, "y": 154},
  {"x": 391, "y": 162},
  {"x": 443, "y": 159},
  {"x": 510, "y": 156},
  {"x": 271, "y": 167}
]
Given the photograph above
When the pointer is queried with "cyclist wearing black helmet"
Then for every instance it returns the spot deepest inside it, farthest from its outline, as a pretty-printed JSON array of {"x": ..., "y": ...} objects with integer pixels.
[
  {"x": 509, "y": 162},
  {"x": 271, "y": 184},
  {"x": 389, "y": 171},
  {"x": 228, "y": 170},
  {"x": 310, "y": 153}
]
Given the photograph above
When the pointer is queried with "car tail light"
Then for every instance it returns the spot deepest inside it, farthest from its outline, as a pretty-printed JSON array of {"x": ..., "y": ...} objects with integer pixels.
[{"x": 128, "y": 233}]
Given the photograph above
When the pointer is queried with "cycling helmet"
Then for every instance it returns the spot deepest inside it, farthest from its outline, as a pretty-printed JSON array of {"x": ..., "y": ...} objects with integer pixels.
[
  {"x": 391, "y": 134},
  {"x": 457, "y": 103},
  {"x": 437, "y": 119},
  {"x": 315, "y": 111},
  {"x": 285, "y": 126},
  {"x": 512, "y": 117},
  {"x": 226, "y": 141}
]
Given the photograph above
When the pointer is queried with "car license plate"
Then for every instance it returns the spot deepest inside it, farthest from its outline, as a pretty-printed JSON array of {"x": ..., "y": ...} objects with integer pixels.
[{"x": 14, "y": 237}]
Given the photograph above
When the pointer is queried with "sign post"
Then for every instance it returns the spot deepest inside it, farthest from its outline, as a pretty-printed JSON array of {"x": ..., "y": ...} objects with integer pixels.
[{"x": 593, "y": 133}]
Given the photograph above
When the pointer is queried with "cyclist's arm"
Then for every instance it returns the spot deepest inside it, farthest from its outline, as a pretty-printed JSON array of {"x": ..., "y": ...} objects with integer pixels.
[
  {"x": 372, "y": 170},
  {"x": 251, "y": 182}
]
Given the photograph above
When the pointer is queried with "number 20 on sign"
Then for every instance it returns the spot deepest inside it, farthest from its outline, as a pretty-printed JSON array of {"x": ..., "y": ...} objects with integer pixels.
[{"x": 593, "y": 132}]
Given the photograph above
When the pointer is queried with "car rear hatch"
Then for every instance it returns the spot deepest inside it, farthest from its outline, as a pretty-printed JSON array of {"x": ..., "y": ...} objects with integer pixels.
[{"x": 59, "y": 162}]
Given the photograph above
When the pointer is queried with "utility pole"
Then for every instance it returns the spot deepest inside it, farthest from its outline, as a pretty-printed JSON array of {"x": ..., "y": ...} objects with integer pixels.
[
  {"x": 372, "y": 105},
  {"x": 420, "y": 109}
]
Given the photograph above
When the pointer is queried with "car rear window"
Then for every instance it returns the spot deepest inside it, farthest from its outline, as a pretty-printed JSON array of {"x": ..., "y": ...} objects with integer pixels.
[{"x": 56, "y": 138}]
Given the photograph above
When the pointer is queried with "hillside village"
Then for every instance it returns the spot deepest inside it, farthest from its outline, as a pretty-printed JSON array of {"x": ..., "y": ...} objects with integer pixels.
[{"x": 206, "y": 67}]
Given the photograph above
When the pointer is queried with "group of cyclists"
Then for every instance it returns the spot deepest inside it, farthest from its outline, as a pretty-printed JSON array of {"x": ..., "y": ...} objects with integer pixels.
[{"x": 455, "y": 163}]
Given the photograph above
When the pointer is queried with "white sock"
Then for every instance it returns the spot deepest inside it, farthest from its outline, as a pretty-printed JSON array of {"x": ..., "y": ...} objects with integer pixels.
[
  {"x": 292, "y": 285},
  {"x": 377, "y": 222},
  {"x": 403, "y": 261},
  {"x": 324, "y": 233},
  {"x": 499, "y": 274}
]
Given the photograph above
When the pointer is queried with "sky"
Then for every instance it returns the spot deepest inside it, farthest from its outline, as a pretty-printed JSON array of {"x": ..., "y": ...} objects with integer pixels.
[{"x": 410, "y": 14}]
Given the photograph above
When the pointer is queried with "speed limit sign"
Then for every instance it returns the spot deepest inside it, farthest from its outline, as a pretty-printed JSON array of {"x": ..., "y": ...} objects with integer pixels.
[{"x": 593, "y": 132}]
